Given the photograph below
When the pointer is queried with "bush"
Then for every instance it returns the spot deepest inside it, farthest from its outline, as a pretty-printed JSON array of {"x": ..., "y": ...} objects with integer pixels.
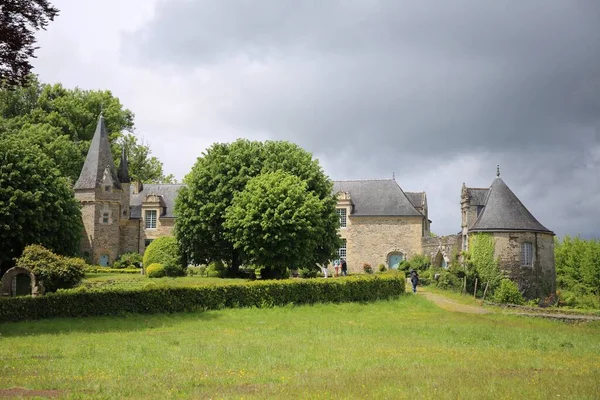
[
  {"x": 83, "y": 303},
  {"x": 104, "y": 270},
  {"x": 308, "y": 273},
  {"x": 165, "y": 251},
  {"x": 448, "y": 281},
  {"x": 128, "y": 260},
  {"x": 156, "y": 270},
  {"x": 216, "y": 269},
  {"x": 196, "y": 271},
  {"x": 367, "y": 268},
  {"x": 382, "y": 268},
  {"x": 419, "y": 262},
  {"x": 54, "y": 271},
  {"x": 508, "y": 292}
]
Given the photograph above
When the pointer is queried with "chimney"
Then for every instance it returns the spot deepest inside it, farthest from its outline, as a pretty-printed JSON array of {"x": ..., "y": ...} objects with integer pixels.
[{"x": 138, "y": 186}]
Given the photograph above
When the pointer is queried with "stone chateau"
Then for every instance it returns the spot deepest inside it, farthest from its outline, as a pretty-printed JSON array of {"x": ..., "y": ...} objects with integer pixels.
[{"x": 380, "y": 223}]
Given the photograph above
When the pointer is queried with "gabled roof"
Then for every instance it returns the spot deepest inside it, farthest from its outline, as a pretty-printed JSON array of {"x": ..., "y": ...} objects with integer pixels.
[
  {"x": 503, "y": 211},
  {"x": 377, "y": 198},
  {"x": 477, "y": 196},
  {"x": 417, "y": 199},
  {"x": 99, "y": 158},
  {"x": 167, "y": 193}
]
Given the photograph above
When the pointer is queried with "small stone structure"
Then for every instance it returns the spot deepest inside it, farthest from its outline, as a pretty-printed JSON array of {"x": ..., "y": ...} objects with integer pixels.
[{"x": 9, "y": 282}]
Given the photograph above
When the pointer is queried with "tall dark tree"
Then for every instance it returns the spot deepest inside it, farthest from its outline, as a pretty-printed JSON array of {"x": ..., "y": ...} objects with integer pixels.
[{"x": 19, "y": 20}]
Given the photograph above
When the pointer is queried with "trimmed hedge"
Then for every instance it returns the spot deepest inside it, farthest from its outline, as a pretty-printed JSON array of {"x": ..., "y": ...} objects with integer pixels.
[
  {"x": 103, "y": 270},
  {"x": 82, "y": 303}
]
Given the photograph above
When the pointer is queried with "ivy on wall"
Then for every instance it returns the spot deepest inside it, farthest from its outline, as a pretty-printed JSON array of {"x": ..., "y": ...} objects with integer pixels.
[{"x": 481, "y": 257}]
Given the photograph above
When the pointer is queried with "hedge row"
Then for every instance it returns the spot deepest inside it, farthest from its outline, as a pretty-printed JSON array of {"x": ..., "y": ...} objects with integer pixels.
[
  {"x": 113, "y": 270},
  {"x": 84, "y": 303}
]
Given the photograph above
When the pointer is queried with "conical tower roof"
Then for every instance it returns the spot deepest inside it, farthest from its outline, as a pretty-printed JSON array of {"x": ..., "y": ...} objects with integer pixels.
[
  {"x": 98, "y": 160},
  {"x": 503, "y": 211}
]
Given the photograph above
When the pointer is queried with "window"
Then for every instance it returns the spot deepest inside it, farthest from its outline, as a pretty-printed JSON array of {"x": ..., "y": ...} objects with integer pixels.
[
  {"x": 150, "y": 219},
  {"x": 105, "y": 218},
  {"x": 107, "y": 188},
  {"x": 147, "y": 242},
  {"x": 526, "y": 254},
  {"x": 341, "y": 212},
  {"x": 342, "y": 250}
]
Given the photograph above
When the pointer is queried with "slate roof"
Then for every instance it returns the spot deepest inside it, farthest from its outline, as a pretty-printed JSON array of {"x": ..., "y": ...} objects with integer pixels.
[
  {"x": 416, "y": 198},
  {"x": 477, "y": 196},
  {"x": 503, "y": 211},
  {"x": 377, "y": 198},
  {"x": 98, "y": 158},
  {"x": 167, "y": 192}
]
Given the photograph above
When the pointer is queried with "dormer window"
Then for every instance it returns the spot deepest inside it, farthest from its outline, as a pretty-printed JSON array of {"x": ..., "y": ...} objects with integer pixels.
[{"x": 341, "y": 212}]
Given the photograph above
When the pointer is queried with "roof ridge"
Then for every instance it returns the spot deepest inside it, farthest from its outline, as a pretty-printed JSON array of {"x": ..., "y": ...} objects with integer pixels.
[
  {"x": 478, "y": 188},
  {"x": 362, "y": 180}
]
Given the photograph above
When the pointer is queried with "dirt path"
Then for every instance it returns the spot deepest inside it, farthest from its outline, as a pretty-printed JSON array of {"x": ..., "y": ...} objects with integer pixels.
[{"x": 449, "y": 304}]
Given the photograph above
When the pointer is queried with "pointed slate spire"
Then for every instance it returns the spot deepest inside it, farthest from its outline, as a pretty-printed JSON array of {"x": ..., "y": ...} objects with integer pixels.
[
  {"x": 123, "y": 172},
  {"x": 503, "y": 211},
  {"x": 98, "y": 161}
]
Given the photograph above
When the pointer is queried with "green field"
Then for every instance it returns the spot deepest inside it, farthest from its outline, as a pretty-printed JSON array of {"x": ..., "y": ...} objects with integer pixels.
[{"x": 405, "y": 348}]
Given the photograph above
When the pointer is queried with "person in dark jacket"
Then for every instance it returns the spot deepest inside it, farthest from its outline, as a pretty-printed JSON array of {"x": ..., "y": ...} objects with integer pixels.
[
  {"x": 344, "y": 267},
  {"x": 414, "y": 279}
]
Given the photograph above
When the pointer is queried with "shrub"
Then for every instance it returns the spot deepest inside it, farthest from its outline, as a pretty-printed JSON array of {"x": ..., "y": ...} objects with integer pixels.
[
  {"x": 308, "y": 273},
  {"x": 425, "y": 278},
  {"x": 165, "y": 251},
  {"x": 367, "y": 268},
  {"x": 419, "y": 262},
  {"x": 448, "y": 280},
  {"x": 54, "y": 271},
  {"x": 196, "y": 271},
  {"x": 156, "y": 299},
  {"x": 382, "y": 268},
  {"x": 105, "y": 270},
  {"x": 128, "y": 260},
  {"x": 508, "y": 292},
  {"x": 216, "y": 269},
  {"x": 156, "y": 270}
]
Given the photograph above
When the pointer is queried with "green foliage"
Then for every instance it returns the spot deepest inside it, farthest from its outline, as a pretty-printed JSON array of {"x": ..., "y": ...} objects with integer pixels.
[
  {"x": 448, "y": 281},
  {"x": 418, "y": 262},
  {"x": 168, "y": 300},
  {"x": 307, "y": 273},
  {"x": 367, "y": 268},
  {"x": 37, "y": 204},
  {"x": 195, "y": 271},
  {"x": 273, "y": 221},
  {"x": 382, "y": 268},
  {"x": 216, "y": 269},
  {"x": 54, "y": 271},
  {"x": 222, "y": 172},
  {"x": 508, "y": 293},
  {"x": 62, "y": 121},
  {"x": 578, "y": 266},
  {"x": 164, "y": 250},
  {"x": 156, "y": 270},
  {"x": 104, "y": 270},
  {"x": 481, "y": 250},
  {"x": 128, "y": 260}
]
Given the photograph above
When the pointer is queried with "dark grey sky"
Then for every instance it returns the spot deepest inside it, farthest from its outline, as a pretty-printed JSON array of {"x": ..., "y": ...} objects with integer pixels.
[{"x": 436, "y": 92}]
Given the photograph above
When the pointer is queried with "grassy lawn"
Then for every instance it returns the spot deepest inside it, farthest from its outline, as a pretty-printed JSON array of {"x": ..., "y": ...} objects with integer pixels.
[
  {"x": 404, "y": 348},
  {"x": 99, "y": 281}
]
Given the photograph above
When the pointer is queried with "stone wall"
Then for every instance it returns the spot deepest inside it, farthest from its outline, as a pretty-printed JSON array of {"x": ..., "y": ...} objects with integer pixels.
[
  {"x": 441, "y": 248},
  {"x": 131, "y": 234},
  {"x": 372, "y": 239},
  {"x": 537, "y": 281}
]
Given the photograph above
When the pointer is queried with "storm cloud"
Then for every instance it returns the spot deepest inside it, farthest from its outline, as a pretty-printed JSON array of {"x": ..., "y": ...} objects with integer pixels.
[{"x": 436, "y": 93}]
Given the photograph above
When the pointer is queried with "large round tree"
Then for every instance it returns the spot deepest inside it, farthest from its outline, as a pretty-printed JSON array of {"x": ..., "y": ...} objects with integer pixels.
[
  {"x": 222, "y": 172},
  {"x": 37, "y": 205}
]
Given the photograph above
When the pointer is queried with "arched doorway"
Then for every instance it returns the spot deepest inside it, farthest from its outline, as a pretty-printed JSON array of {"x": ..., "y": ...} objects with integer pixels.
[
  {"x": 19, "y": 281},
  {"x": 21, "y": 285},
  {"x": 394, "y": 260}
]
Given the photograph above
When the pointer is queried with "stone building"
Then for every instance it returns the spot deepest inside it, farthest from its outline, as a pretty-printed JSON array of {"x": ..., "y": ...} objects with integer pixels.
[
  {"x": 523, "y": 246},
  {"x": 118, "y": 216},
  {"x": 380, "y": 223}
]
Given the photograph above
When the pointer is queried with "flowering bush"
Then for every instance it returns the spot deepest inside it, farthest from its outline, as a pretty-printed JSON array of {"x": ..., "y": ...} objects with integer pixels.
[{"x": 367, "y": 268}]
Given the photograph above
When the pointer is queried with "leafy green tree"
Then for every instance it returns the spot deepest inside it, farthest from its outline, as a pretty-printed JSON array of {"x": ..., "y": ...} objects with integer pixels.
[
  {"x": 37, "y": 205},
  {"x": 481, "y": 249},
  {"x": 142, "y": 166},
  {"x": 272, "y": 221},
  {"x": 69, "y": 117},
  {"x": 18, "y": 22},
  {"x": 222, "y": 172}
]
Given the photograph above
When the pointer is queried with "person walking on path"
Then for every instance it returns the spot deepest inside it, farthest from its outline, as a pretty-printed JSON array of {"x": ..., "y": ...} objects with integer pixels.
[
  {"x": 344, "y": 267},
  {"x": 414, "y": 279}
]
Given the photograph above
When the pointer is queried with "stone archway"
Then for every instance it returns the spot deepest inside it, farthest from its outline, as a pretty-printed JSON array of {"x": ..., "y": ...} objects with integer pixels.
[{"x": 9, "y": 282}]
